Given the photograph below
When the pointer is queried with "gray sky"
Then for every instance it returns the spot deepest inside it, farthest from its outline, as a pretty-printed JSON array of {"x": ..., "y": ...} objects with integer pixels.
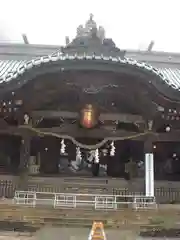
[{"x": 132, "y": 24}]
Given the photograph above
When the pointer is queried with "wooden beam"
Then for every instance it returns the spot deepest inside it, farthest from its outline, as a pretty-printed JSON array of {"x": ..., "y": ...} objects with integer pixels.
[
  {"x": 104, "y": 133},
  {"x": 75, "y": 132},
  {"x": 93, "y": 133},
  {"x": 55, "y": 114},
  {"x": 173, "y": 136},
  {"x": 127, "y": 118}
]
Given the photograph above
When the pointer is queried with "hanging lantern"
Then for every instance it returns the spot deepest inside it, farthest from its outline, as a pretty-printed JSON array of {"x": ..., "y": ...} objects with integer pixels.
[
  {"x": 63, "y": 147},
  {"x": 89, "y": 117},
  {"x": 113, "y": 149}
]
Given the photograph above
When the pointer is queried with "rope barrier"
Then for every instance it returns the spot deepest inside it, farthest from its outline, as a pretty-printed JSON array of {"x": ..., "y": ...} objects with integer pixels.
[{"x": 85, "y": 146}]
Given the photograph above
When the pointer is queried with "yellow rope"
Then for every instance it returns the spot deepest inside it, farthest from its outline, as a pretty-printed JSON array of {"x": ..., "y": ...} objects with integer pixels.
[{"x": 90, "y": 147}]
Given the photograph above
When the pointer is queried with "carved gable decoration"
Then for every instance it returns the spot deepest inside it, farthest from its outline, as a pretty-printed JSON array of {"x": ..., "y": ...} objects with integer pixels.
[{"x": 91, "y": 39}]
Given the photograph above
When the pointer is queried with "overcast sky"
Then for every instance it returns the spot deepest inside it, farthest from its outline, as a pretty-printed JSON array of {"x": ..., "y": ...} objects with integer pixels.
[{"x": 132, "y": 24}]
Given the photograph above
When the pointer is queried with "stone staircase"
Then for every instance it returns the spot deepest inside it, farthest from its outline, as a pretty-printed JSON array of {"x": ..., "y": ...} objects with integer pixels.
[
  {"x": 165, "y": 192},
  {"x": 36, "y": 217},
  {"x": 39, "y": 217},
  {"x": 8, "y": 185},
  {"x": 70, "y": 185}
]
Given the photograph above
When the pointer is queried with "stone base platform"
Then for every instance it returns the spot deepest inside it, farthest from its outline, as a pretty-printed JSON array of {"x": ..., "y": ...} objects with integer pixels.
[{"x": 125, "y": 218}]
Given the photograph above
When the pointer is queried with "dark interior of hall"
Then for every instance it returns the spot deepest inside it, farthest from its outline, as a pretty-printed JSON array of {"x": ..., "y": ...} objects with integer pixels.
[{"x": 166, "y": 156}]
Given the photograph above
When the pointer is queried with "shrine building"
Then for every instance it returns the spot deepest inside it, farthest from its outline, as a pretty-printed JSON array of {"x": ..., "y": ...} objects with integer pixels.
[{"x": 89, "y": 108}]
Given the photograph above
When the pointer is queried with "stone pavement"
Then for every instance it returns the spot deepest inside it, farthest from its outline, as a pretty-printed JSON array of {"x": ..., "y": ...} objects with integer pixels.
[
  {"x": 13, "y": 236},
  {"x": 82, "y": 234},
  {"x": 53, "y": 233},
  {"x": 63, "y": 233}
]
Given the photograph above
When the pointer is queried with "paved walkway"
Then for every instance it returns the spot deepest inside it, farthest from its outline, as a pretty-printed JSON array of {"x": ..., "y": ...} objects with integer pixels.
[
  {"x": 82, "y": 234},
  {"x": 15, "y": 236},
  {"x": 53, "y": 233}
]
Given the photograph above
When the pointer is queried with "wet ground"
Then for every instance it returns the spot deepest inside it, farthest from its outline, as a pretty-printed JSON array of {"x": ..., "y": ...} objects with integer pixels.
[
  {"x": 52, "y": 233},
  {"x": 82, "y": 234},
  {"x": 49, "y": 233}
]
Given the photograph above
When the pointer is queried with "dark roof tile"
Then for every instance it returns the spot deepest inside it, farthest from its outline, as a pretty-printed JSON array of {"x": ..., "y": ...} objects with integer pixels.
[{"x": 170, "y": 75}]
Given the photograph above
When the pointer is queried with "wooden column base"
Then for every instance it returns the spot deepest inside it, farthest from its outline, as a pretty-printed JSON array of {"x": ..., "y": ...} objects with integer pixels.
[
  {"x": 95, "y": 169},
  {"x": 24, "y": 161}
]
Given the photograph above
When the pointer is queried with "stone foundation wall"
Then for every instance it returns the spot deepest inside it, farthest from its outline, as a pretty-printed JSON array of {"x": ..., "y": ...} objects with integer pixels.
[{"x": 166, "y": 192}]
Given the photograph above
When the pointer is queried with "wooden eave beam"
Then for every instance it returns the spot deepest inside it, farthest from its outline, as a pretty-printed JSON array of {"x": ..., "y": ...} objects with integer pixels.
[
  {"x": 95, "y": 133},
  {"x": 55, "y": 114},
  {"x": 127, "y": 118},
  {"x": 69, "y": 130}
]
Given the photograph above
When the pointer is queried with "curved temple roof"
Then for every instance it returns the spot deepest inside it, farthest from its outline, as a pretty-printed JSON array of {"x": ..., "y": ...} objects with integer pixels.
[
  {"x": 89, "y": 44},
  {"x": 11, "y": 69}
]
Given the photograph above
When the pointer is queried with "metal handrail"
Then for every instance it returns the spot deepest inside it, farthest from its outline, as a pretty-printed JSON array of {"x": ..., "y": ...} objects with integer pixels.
[
  {"x": 85, "y": 194},
  {"x": 68, "y": 200}
]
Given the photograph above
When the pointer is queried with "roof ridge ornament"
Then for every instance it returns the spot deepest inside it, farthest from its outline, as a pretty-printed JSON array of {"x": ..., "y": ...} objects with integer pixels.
[
  {"x": 86, "y": 31},
  {"x": 90, "y": 23},
  {"x": 91, "y": 16},
  {"x": 91, "y": 38}
]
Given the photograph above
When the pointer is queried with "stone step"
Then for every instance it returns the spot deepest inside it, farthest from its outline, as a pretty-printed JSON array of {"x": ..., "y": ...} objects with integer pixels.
[
  {"x": 79, "y": 217},
  {"x": 67, "y": 188},
  {"x": 25, "y": 213},
  {"x": 58, "y": 213},
  {"x": 30, "y": 212},
  {"x": 53, "y": 212}
]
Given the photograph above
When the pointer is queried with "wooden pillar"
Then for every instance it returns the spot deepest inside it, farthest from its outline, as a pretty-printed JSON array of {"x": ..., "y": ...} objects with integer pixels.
[
  {"x": 24, "y": 162},
  {"x": 149, "y": 168}
]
